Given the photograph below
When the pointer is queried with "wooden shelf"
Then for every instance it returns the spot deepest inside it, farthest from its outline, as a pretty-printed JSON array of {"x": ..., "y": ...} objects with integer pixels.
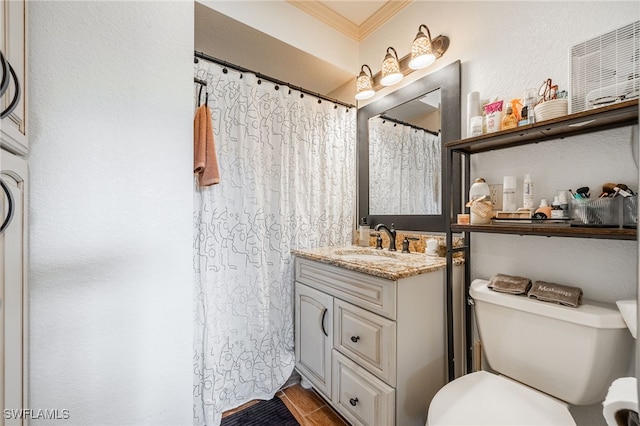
[
  {"x": 609, "y": 117},
  {"x": 550, "y": 230}
]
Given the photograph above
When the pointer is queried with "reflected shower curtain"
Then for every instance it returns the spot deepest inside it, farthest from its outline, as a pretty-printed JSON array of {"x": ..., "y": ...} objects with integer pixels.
[
  {"x": 287, "y": 180},
  {"x": 404, "y": 169}
]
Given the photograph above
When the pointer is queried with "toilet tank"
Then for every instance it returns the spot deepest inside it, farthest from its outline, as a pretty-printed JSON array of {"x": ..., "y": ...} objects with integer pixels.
[{"x": 570, "y": 353}]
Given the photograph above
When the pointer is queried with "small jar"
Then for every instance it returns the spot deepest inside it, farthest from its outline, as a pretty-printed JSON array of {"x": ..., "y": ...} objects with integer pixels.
[
  {"x": 480, "y": 202},
  {"x": 544, "y": 208}
]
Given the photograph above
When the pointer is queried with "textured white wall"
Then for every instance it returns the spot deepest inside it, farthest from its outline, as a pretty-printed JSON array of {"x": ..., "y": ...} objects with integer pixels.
[
  {"x": 111, "y": 211},
  {"x": 506, "y": 47}
]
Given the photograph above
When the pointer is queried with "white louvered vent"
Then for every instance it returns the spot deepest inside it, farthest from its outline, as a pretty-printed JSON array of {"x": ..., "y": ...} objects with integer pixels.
[{"x": 606, "y": 69}]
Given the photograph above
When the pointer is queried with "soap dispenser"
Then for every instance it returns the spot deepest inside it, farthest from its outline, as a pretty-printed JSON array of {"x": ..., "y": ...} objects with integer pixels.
[{"x": 363, "y": 233}]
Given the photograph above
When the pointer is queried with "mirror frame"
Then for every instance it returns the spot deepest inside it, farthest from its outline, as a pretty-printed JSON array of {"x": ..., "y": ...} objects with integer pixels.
[{"x": 447, "y": 79}]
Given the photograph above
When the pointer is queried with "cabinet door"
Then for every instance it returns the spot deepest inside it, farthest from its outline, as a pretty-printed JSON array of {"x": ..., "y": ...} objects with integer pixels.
[
  {"x": 13, "y": 289},
  {"x": 13, "y": 131},
  {"x": 314, "y": 336}
]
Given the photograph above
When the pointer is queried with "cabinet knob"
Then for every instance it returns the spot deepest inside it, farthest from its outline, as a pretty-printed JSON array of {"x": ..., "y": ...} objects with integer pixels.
[
  {"x": 353, "y": 401},
  {"x": 355, "y": 339}
]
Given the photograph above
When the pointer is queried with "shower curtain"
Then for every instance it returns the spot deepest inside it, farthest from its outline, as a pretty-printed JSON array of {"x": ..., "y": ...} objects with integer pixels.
[
  {"x": 401, "y": 159},
  {"x": 287, "y": 180}
]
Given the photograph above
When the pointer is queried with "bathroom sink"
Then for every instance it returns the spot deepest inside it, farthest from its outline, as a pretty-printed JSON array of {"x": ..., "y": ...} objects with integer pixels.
[{"x": 370, "y": 255}]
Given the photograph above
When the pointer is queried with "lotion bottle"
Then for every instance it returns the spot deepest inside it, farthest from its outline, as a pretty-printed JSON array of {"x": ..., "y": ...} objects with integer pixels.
[
  {"x": 509, "y": 194},
  {"x": 527, "y": 192}
]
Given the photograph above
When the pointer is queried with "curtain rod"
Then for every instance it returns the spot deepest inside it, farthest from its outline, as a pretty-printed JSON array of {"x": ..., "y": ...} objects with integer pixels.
[
  {"x": 393, "y": 120},
  {"x": 266, "y": 77}
]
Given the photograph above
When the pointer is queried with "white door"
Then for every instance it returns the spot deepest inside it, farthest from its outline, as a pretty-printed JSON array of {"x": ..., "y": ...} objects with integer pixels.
[
  {"x": 13, "y": 289},
  {"x": 13, "y": 43},
  {"x": 314, "y": 336}
]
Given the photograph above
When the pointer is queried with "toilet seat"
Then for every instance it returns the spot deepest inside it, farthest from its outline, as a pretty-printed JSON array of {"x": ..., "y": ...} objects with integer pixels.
[{"x": 482, "y": 398}]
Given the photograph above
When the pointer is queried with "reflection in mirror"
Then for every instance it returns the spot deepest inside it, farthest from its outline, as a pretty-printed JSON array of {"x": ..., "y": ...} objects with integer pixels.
[
  {"x": 389, "y": 191},
  {"x": 405, "y": 154}
]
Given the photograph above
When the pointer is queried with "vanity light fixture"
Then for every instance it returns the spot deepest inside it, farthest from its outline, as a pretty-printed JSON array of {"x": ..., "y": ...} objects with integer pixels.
[
  {"x": 391, "y": 73},
  {"x": 364, "y": 84},
  {"x": 424, "y": 52},
  {"x": 421, "y": 50}
]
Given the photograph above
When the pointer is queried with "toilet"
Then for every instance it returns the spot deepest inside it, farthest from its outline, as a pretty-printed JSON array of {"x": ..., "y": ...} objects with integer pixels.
[{"x": 543, "y": 357}]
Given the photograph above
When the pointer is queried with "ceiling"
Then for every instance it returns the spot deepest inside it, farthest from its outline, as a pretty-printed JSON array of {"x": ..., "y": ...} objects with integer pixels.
[
  {"x": 355, "y": 19},
  {"x": 230, "y": 40}
]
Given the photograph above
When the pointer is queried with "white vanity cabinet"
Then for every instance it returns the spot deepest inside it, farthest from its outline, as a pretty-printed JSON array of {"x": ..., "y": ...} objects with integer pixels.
[{"x": 374, "y": 347}]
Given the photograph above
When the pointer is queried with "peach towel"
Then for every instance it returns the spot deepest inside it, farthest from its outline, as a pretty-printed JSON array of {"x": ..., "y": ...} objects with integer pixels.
[{"x": 205, "y": 161}]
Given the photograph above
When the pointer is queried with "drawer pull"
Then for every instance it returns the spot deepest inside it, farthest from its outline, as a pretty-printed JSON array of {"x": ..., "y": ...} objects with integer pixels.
[
  {"x": 353, "y": 401},
  {"x": 355, "y": 339}
]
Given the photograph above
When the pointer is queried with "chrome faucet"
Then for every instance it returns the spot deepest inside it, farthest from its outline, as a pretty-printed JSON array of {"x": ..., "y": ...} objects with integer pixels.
[{"x": 391, "y": 233}]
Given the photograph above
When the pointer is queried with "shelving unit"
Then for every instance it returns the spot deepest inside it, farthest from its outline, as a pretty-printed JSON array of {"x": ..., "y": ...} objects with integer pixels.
[{"x": 613, "y": 116}]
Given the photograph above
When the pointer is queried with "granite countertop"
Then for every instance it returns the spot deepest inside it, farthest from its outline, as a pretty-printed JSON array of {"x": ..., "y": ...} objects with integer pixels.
[{"x": 380, "y": 263}]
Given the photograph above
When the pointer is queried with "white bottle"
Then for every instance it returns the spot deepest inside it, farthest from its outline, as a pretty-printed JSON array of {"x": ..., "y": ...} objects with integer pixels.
[
  {"x": 480, "y": 210},
  {"x": 527, "y": 192},
  {"x": 509, "y": 194},
  {"x": 473, "y": 110}
]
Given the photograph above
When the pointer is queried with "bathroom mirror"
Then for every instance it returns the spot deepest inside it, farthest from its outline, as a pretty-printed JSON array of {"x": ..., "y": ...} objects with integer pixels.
[{"x": 401, "y": 156}]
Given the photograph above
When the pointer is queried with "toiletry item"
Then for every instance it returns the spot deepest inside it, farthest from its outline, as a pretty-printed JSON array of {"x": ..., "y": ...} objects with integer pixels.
[
  {"x": 480, "y": 202},
  {"x": 544, "y": 208},
  {"x": 509, "y": 194},
  {"x": 556, "y": 210},
  {"x": 509, "y": 121},
  {"x": 524, "y": 116},
  {"x": 473, "y": 110},
  {"x": 363, "y": 233},
  {"x": 564, "y": 203},
  {"x": 432, "y": 247},
  {"x": 527, "y": 192},
  {"x": 476, "y": 126},
  {"x": 530, "y": 101},
  {"x": 493, "y": 112},
  {"x": 463, "y": 219}
]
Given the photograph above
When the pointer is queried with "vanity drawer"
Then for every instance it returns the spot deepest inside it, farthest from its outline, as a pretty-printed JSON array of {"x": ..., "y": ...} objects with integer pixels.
[
  {"x": 366, "y": 338},
  {"x": 366, "y": 291},
  {"x": 360, "y": 397}
]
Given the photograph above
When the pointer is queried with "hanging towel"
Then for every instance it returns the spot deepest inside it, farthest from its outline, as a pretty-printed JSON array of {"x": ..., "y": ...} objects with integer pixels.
[
  {"x": 556, "y": 293},
  {"x": 205, "y": 161},
  {"x": 509, "y": 284}
]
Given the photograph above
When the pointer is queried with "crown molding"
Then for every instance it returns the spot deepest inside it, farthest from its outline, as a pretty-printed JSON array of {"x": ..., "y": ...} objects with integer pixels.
[{"x": 357, "y": 32}]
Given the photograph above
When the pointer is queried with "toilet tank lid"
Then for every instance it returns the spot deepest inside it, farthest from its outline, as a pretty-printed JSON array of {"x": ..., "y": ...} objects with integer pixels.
[{"x": 589, "y": 313}]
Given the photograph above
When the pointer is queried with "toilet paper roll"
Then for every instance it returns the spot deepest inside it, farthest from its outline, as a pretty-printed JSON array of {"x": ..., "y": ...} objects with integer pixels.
[{"x": 622, "y": 397}]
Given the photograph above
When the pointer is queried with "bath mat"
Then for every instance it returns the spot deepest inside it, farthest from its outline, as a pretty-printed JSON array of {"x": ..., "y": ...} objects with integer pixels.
[{"x": 265, "y": 413}]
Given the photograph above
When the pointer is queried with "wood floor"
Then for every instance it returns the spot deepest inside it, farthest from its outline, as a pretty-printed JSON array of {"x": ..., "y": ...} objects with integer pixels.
[{"x": 305, "y": 405}]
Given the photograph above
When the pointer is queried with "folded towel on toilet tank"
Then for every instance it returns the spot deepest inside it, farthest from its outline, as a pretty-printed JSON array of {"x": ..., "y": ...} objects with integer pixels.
[
  {"x": 511, "y": 284},
  {"x": 556, "y": 293}
]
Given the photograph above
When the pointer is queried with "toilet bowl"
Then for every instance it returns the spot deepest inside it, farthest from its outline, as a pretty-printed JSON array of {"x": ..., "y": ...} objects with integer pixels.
[{"x": 545, "y": 357}]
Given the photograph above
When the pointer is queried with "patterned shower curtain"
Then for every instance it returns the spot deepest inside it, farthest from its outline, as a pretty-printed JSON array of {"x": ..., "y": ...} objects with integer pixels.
[
  {"x": 287, "y": 180},
  {"x": 401, "y": 159}
]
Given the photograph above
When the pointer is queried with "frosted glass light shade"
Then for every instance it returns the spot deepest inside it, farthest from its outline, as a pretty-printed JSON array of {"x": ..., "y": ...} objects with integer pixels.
[
  {"x": 364, "y": 85},
  {"x": 421, "y": 54},
  {"x": 421, "y": 50},
  {"x": 390, "y": 69}
]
